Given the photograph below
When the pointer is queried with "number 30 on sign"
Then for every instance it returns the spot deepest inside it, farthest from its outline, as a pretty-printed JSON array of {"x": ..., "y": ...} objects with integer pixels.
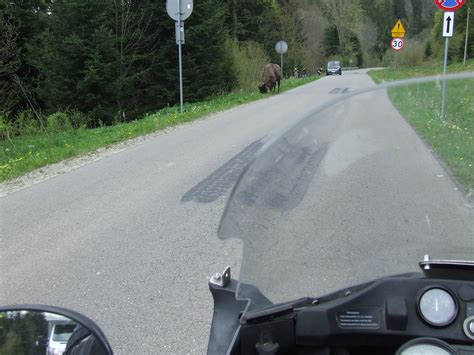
[{"x": 397, "y": 44}]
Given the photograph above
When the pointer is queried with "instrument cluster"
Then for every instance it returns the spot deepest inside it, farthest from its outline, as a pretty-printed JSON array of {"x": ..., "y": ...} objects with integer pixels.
[
  {"x": 439, "y": 307},
  {"x": 435, "y": 314}
]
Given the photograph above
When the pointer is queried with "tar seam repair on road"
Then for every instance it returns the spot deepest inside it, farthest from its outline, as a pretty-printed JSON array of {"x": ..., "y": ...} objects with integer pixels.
[{"x": 221, "y": 180}]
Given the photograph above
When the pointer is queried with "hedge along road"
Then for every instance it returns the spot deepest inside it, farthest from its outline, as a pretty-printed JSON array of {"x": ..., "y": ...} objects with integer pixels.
[{"x": 130, "y": 240}]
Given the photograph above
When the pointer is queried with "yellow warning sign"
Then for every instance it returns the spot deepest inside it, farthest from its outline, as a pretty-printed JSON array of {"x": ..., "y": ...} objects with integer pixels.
[{"x": 398, "y": 31}]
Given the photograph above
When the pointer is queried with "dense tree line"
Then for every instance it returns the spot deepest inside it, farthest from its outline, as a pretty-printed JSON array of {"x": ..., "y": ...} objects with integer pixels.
[
  {"x": 109, "y": 59},
  {"x": 105, "y": 61}
]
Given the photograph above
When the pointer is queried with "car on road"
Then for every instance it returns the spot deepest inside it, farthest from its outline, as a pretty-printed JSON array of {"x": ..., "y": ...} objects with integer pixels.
[
  {"x": 334, "y": 67},
  {"x": 60, "y": 329},
  {"x": 60, "y": 334}
]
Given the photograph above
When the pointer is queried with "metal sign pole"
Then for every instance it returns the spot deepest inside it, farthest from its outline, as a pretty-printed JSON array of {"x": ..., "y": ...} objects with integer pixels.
[
  {"x": 179, "y": 10},
  {"x": 398, "y": 40},
  {"x": 180, "y": 57},
  {"x": 467, "y": 35},
  {"x": 281, "y": 48},
  {"x": 445, "y": 69},
  {"x": 281, "y": 67}
]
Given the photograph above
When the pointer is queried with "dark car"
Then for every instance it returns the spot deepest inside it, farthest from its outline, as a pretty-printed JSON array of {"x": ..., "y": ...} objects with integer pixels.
[{"x": 334, "y": 67}]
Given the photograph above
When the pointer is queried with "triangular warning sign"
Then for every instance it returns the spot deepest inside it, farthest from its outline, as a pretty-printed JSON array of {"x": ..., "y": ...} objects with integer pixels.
[
  {"x": 398, "y": 27},
  {"x": 398, "y": 30}
]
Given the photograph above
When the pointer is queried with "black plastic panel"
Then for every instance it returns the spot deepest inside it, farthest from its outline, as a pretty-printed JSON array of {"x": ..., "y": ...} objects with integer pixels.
[
  {"x": 225, "y": 321},
  {"x": 396, "y": 300},
  {"x": 396, "y": 313}
]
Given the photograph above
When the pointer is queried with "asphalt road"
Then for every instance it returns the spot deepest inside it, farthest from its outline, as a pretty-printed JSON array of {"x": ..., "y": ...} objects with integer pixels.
[{"x": 130, "y": 240}]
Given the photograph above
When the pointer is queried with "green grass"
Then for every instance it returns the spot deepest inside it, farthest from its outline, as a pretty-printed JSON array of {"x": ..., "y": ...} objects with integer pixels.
[
  {"x": 428, "y": 69},
  {"x": 27, "y": 153},
  {"x": 452, "y": 139}
]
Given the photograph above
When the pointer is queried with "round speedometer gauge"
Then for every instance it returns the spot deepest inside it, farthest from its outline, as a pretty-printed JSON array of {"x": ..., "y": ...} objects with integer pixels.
[
  {"x": 437, "y": 307},
  {"x": 426, "y": 346}
]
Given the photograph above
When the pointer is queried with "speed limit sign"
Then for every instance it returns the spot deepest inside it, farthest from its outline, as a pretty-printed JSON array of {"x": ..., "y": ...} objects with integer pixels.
[{"x": 397, "y": 44}]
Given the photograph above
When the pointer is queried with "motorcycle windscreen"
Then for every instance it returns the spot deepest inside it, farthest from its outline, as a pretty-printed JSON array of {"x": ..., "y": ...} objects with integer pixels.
[{"x": 351, "y": 193}]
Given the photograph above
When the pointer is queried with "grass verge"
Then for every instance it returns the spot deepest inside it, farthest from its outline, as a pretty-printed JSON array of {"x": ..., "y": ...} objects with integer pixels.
[
  {"x": 451, "y": 139},
  {"x": 23, "y": 154},
  {"x": 430, "y": 69}
]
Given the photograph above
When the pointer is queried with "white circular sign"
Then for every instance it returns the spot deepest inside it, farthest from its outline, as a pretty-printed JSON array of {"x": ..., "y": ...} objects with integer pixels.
[
  {"x": 397, "y": 44},
  {"x": 186, "y": 7},
  {"x": 281, "y": 47}
]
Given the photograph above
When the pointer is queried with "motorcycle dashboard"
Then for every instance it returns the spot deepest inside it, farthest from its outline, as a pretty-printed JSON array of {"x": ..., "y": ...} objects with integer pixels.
[
  {"x": 379, "y": 315},
  {"x": 385, "y": 310}
]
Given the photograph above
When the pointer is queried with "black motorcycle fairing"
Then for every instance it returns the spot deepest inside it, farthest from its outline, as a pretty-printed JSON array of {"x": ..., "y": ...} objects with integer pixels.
[
  {"x": 314, "y": 325},
  {"x": 225, "y": 320}
]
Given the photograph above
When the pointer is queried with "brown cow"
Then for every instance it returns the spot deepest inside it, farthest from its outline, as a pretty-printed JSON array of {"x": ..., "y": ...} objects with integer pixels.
[{"x": 271, "y": 76}]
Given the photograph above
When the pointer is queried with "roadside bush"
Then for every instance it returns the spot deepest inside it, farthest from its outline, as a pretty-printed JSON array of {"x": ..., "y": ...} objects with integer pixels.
[
  {"x": 371, "y": 61},
  {"x": 428, "y": 50},
  {"x": 7, "y": 129},
  {"x": 249, "y": 59},
  {"x": 388, "y": 59},
  {"x": 28, "y": 124},
  {"x": 80, "y": 120},
  {"x": 59, "y": 122},
  {"x": 412, "y": 55}
]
